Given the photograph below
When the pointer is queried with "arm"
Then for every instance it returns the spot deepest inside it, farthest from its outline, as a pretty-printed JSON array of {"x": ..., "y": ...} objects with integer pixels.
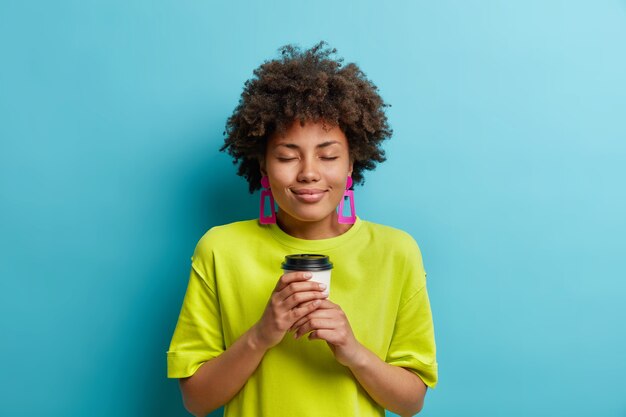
[
  {"x": 217, "y": 381},
  {"x": 394, "y": 388}
]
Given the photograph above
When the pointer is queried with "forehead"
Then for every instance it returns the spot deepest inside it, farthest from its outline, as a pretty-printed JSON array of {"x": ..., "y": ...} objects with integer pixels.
[{"x": 311, "y": 134}]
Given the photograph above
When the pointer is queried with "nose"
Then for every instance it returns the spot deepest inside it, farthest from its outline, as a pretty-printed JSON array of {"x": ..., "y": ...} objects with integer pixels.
[{"x": 309, "y": 170}]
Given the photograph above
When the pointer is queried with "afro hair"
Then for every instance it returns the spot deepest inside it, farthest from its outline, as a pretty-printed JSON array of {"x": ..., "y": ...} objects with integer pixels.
[{"x": 309, "y": 85}]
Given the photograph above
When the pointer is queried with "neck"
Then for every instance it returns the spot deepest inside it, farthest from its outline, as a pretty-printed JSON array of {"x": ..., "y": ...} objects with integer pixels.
[{"x": 322, "y": 229}]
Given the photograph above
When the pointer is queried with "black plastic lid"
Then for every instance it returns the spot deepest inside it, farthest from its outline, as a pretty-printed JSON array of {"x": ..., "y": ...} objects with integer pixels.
[{"x": 307, "y": 262}]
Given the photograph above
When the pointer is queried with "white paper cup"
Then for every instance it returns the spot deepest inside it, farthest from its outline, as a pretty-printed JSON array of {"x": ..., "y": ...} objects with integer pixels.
[
  {"x": 323, "y": 277},
  {"x": 318, "y": 265}
]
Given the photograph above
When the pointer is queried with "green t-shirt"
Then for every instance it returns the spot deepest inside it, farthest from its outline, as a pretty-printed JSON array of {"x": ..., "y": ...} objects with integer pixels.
[{"x": 378, "y": 280}]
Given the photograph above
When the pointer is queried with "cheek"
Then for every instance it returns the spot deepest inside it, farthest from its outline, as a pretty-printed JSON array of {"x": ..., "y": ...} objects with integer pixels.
[
  {"x": 341, "y": 179},
  {"x": 280, "y": 178}
]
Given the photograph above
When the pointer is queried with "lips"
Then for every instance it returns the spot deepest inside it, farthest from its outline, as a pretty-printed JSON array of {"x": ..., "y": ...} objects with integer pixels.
[{"x": 308, "y": 195}]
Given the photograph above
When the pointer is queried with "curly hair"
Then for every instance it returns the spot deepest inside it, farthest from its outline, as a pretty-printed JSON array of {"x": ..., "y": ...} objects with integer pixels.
[{"x": 307, "y": 85}]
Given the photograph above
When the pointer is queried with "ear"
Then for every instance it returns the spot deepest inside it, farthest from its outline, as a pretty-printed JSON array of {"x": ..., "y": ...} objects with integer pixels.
[
  {"x": 262, "y": 167},
  {"x": 350, "y": 168}
]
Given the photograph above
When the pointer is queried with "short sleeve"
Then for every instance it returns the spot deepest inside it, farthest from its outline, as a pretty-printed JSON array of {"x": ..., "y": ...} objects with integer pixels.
[
  {"x": 198, "y": 335},
  {"x": 413, "y": 341}
]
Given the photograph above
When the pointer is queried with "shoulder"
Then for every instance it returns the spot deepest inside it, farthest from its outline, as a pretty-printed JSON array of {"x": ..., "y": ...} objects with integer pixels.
[
  {"x": 228, "y": 236},
  {"x": 399, "y": 252},
  {"x": 235, "y": 229},
  {"x": 220, "y": 242},
  {"x": 391, "y": 238}
]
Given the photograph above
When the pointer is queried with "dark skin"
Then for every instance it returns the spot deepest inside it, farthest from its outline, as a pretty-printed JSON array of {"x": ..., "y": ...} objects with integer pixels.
[
  {"x": 296, "y": 304},
  {"x": 307, "y": 86},
  {"x": 299, "y": 304}
]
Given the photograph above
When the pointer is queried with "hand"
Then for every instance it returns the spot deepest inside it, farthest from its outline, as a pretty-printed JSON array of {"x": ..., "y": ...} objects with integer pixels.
[
  {"x": 330, "y": 323},
  {"x": 293, "y": 297}
]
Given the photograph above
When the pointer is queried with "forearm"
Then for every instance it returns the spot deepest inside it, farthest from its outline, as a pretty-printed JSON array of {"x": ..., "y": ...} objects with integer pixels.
[
  {"x": 217, "y": 381},
  {"x": 395, "y": 388}
]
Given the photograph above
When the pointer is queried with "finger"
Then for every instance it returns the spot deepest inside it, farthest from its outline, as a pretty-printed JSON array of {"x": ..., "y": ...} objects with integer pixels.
[
  {"x": 302, "y": 297},
  {"x": 303, "y": 309},
  {"x": 289, "y": 277},
  {"x": 326, "y": 309},
  {"x": 327, "y": 304},
  {"x": 300, "y": 286},
  {"x": 299, "y": 323},
  {"x": 313, "y": 336},
  {"x": 319, "y": 314},
  {"x": 316, "y": 324},
  {"x": 323, "y": 334}
]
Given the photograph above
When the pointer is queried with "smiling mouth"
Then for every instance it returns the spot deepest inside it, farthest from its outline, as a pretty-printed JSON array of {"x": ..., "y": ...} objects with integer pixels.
[
  {"x": 305, "y": 191},
  {"x": 308, "y": 195}
]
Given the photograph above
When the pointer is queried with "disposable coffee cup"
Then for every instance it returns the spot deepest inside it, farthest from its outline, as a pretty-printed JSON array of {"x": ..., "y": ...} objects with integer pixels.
[{"x": 318, "y": 265}]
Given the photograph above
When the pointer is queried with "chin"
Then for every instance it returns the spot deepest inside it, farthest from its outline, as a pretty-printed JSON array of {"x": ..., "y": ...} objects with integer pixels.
[{"x": 308, "y": 216}]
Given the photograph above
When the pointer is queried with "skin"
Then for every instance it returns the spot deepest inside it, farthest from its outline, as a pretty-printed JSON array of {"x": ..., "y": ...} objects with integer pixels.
[{"x": 307, "y": 168}]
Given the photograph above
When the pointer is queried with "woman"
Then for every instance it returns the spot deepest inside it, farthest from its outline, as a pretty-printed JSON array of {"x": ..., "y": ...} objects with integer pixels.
[{"x": 305, "y": 129}]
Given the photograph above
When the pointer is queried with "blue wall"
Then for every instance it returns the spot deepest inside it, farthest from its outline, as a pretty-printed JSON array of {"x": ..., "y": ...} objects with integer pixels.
[{"x": 507, "y": 166}]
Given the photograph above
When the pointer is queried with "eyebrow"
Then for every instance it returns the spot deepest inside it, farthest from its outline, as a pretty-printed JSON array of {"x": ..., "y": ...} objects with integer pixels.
[{"x": 321, "y": 145}]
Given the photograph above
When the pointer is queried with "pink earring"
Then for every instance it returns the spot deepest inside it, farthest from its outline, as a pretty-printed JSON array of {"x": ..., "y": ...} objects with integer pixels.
[
  {"x": 263, "y": 219},
  {"x": 349, "y": 194}
]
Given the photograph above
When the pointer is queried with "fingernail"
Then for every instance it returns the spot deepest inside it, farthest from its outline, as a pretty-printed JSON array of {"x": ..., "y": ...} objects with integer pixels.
[
  {"x": 322, "y": 286},
  {"x": 308, "y": 275}
]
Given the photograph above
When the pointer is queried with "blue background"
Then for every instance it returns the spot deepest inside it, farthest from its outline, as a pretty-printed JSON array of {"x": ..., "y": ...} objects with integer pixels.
[{"x": 507, "y": 166}]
